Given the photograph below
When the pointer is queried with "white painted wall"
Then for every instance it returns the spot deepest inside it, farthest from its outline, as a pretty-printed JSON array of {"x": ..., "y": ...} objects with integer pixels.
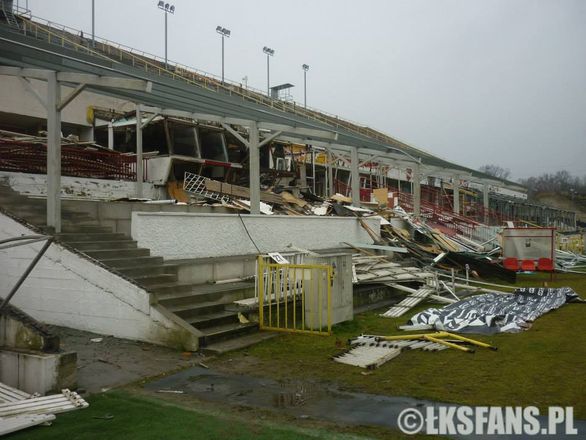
[
  {"x": 78, "y": 187},
  {"x": 186, "y": 235},
  {"x": 68, "y": 290}
]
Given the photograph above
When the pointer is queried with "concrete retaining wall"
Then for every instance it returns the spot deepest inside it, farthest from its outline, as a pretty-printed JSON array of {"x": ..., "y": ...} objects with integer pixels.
[
  {"x": 178, "y": 235},
  {"x": 35, "y": 185},
  {"x": 35, "y": 372},
  {"x": 68, "y": 290},
  {"x": 118, "y": 215}
]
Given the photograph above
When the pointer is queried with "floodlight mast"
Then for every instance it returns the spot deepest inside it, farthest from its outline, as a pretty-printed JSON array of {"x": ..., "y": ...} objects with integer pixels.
[
  {"x": 93, "y": 23},
  {"x": 224, "y": 33},
  {"x": 270, "y": 52},
  {"x": 167, "y": 9},
  {"x": 305, "y": 68}
]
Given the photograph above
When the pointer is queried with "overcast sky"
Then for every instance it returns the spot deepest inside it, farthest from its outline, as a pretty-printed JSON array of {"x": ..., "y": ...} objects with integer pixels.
[{"x": 472, "y": 81}]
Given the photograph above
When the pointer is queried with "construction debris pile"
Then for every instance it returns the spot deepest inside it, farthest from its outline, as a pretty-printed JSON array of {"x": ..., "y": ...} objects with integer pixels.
[
  {"x": 371, "y": 352},
  {"x": 20, "y": 410}
]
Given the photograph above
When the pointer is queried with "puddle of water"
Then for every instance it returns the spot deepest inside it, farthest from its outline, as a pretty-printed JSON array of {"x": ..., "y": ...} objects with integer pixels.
[{"x": 302, "y": 399}]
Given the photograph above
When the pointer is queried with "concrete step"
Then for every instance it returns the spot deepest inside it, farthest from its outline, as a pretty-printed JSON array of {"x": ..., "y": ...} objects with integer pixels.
[
  {"x": 87, "y": 237},
  {"x": 238, "y": 342},
  {"x": 26, "y": 209},
  {"x": 213, "y": 319},
  {"x": 227, "y": 293},
  {"x": 154, "y": 279},
  {"x": 148, "y": 269},
  {"x": 131, "y": 262},
  {"x": 104, "y": 254},
  {"x": 65, "y": 220},
  {"x": 226, "y": 331},
  {"x": 190, "y": 311},
  {"x": 72, "y": 228},
  {"x": 98, "y": 245}
]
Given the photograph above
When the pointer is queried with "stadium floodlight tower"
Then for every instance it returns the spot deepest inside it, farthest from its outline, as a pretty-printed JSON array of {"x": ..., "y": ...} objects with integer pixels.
[
  {"x": 224, "y": 33},
  {"x": 305, "y": 68},
  {"x": 167, "y": 9},
  {"x": 270, "y": 52}
]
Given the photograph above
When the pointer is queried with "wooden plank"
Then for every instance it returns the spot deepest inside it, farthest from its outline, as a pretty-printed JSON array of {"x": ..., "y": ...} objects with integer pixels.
[{"x": 239, "y": 191}]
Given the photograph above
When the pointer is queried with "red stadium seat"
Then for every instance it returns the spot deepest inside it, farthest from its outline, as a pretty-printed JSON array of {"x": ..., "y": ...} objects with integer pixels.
[
  {"x": 528, "y": 265},
  {"x": 511, "y": 264},
  {"x": 545, "y": 265}
]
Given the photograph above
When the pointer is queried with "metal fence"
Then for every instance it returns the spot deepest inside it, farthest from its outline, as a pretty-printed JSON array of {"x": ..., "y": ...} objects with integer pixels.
[
  {"x": 295, "y": 298},
  {"x": 76, "y": 161}
]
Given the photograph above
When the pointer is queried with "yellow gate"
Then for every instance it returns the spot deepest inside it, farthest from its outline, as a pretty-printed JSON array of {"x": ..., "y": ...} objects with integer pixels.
[{"x": 295, "y": 297}]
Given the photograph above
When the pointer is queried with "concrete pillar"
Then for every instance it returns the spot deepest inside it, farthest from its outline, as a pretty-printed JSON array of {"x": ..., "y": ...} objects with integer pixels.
[
  {"x": 110, "y": 135},
  {"x": 355, "y": 176},
  {"x": 416, "y": 190},
  {"x": 485, "y": 203},
  {"x": 53, "y": 153},
  {"x": 139, "y": 167},
  {"x": 456, "y": 187},
  {"x": 254, "y": 168},
  {"x": 330, "y": 171}
]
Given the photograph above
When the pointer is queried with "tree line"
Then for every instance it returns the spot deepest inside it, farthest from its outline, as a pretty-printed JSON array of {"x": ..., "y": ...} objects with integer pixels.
[{"x": 561, "y": 182}]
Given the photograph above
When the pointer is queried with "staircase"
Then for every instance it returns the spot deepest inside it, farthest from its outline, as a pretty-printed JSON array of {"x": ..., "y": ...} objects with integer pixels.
[
  {"x": 204, "y": 306},
  {"x": 6, "y": 8}
]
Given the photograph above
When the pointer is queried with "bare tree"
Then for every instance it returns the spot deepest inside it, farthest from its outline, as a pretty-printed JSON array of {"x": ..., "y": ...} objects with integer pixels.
[
  {"x": 559, "y": 182},
  {"x": 496, "y": 171}
]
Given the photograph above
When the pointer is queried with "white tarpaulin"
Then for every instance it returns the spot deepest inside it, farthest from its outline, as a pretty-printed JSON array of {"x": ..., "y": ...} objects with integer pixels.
[{"x": 496, "y": 312}]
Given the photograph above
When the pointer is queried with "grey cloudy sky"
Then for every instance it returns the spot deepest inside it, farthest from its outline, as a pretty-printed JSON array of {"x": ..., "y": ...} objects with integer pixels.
[{"x": 473, "y": 81}]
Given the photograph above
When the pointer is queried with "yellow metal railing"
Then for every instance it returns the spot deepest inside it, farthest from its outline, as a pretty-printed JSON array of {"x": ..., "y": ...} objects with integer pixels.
[{"x": 295, "y": 298}]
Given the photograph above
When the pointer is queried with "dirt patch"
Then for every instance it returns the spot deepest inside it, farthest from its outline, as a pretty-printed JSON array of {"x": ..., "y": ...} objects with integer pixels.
[{"x": 109, "y": 362}]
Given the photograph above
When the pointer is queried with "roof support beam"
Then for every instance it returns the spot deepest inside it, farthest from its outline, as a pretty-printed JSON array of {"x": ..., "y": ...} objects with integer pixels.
[
  {"x": 111, "y": 82},
  {"x": 70, "y": 97},
  {"x": 254, "y": 169},
  {"x": 27, "y": 84},
  {"x": 272, "y": 137},
  {"x": 54, "y": 105},
  {"x": 53, "y": 153},
  {"x": 416, "y": 190},
  {"x": 236, "y": 135},
  {"x": 355, "y": 179},
  {"x": 139, "y": 166},
  {"x": 456, "y": 193}
]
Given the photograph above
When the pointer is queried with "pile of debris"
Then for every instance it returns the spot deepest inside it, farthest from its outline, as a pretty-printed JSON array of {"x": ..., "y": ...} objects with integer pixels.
[
  {"x": 20, "y": 410},
  {"x": 371, "y": 352}
]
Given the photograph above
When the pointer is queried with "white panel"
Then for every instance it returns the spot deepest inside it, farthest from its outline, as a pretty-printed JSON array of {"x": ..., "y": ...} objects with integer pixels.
[{"x": 186, "y": 235}]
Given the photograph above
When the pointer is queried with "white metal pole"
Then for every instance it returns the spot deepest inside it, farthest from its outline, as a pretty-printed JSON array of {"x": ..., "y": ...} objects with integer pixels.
[
  {"x": 110, "y": 135},
  {"x": 355, "y": 177},
  {"x": 166, "y": 66},
  {"x": 268, "y": 78},
  {"x": 456, "y": 194},
  {"x": 93, "y": 23},
  {"x": 305, "y": 88},
  {"x": 139, "y": 167},
  {"x": 53, "y": 153},
  {"x": 222, "y": 58},
  {"x": 254, "y": 168},
  {"x": 416, "y": 190},
  {"x": 330, "y": 173},
  {"x": 485, "y": 202}
]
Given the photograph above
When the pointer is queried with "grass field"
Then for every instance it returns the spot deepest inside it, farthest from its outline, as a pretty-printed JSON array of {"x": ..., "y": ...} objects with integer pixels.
[
  {"x": 543, "y": 366},
  {"x": 142, "y": 418}
]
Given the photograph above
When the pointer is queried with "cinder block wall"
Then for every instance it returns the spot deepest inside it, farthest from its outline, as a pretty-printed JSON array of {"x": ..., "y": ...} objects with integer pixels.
[{"x": 185, "y": 235}]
